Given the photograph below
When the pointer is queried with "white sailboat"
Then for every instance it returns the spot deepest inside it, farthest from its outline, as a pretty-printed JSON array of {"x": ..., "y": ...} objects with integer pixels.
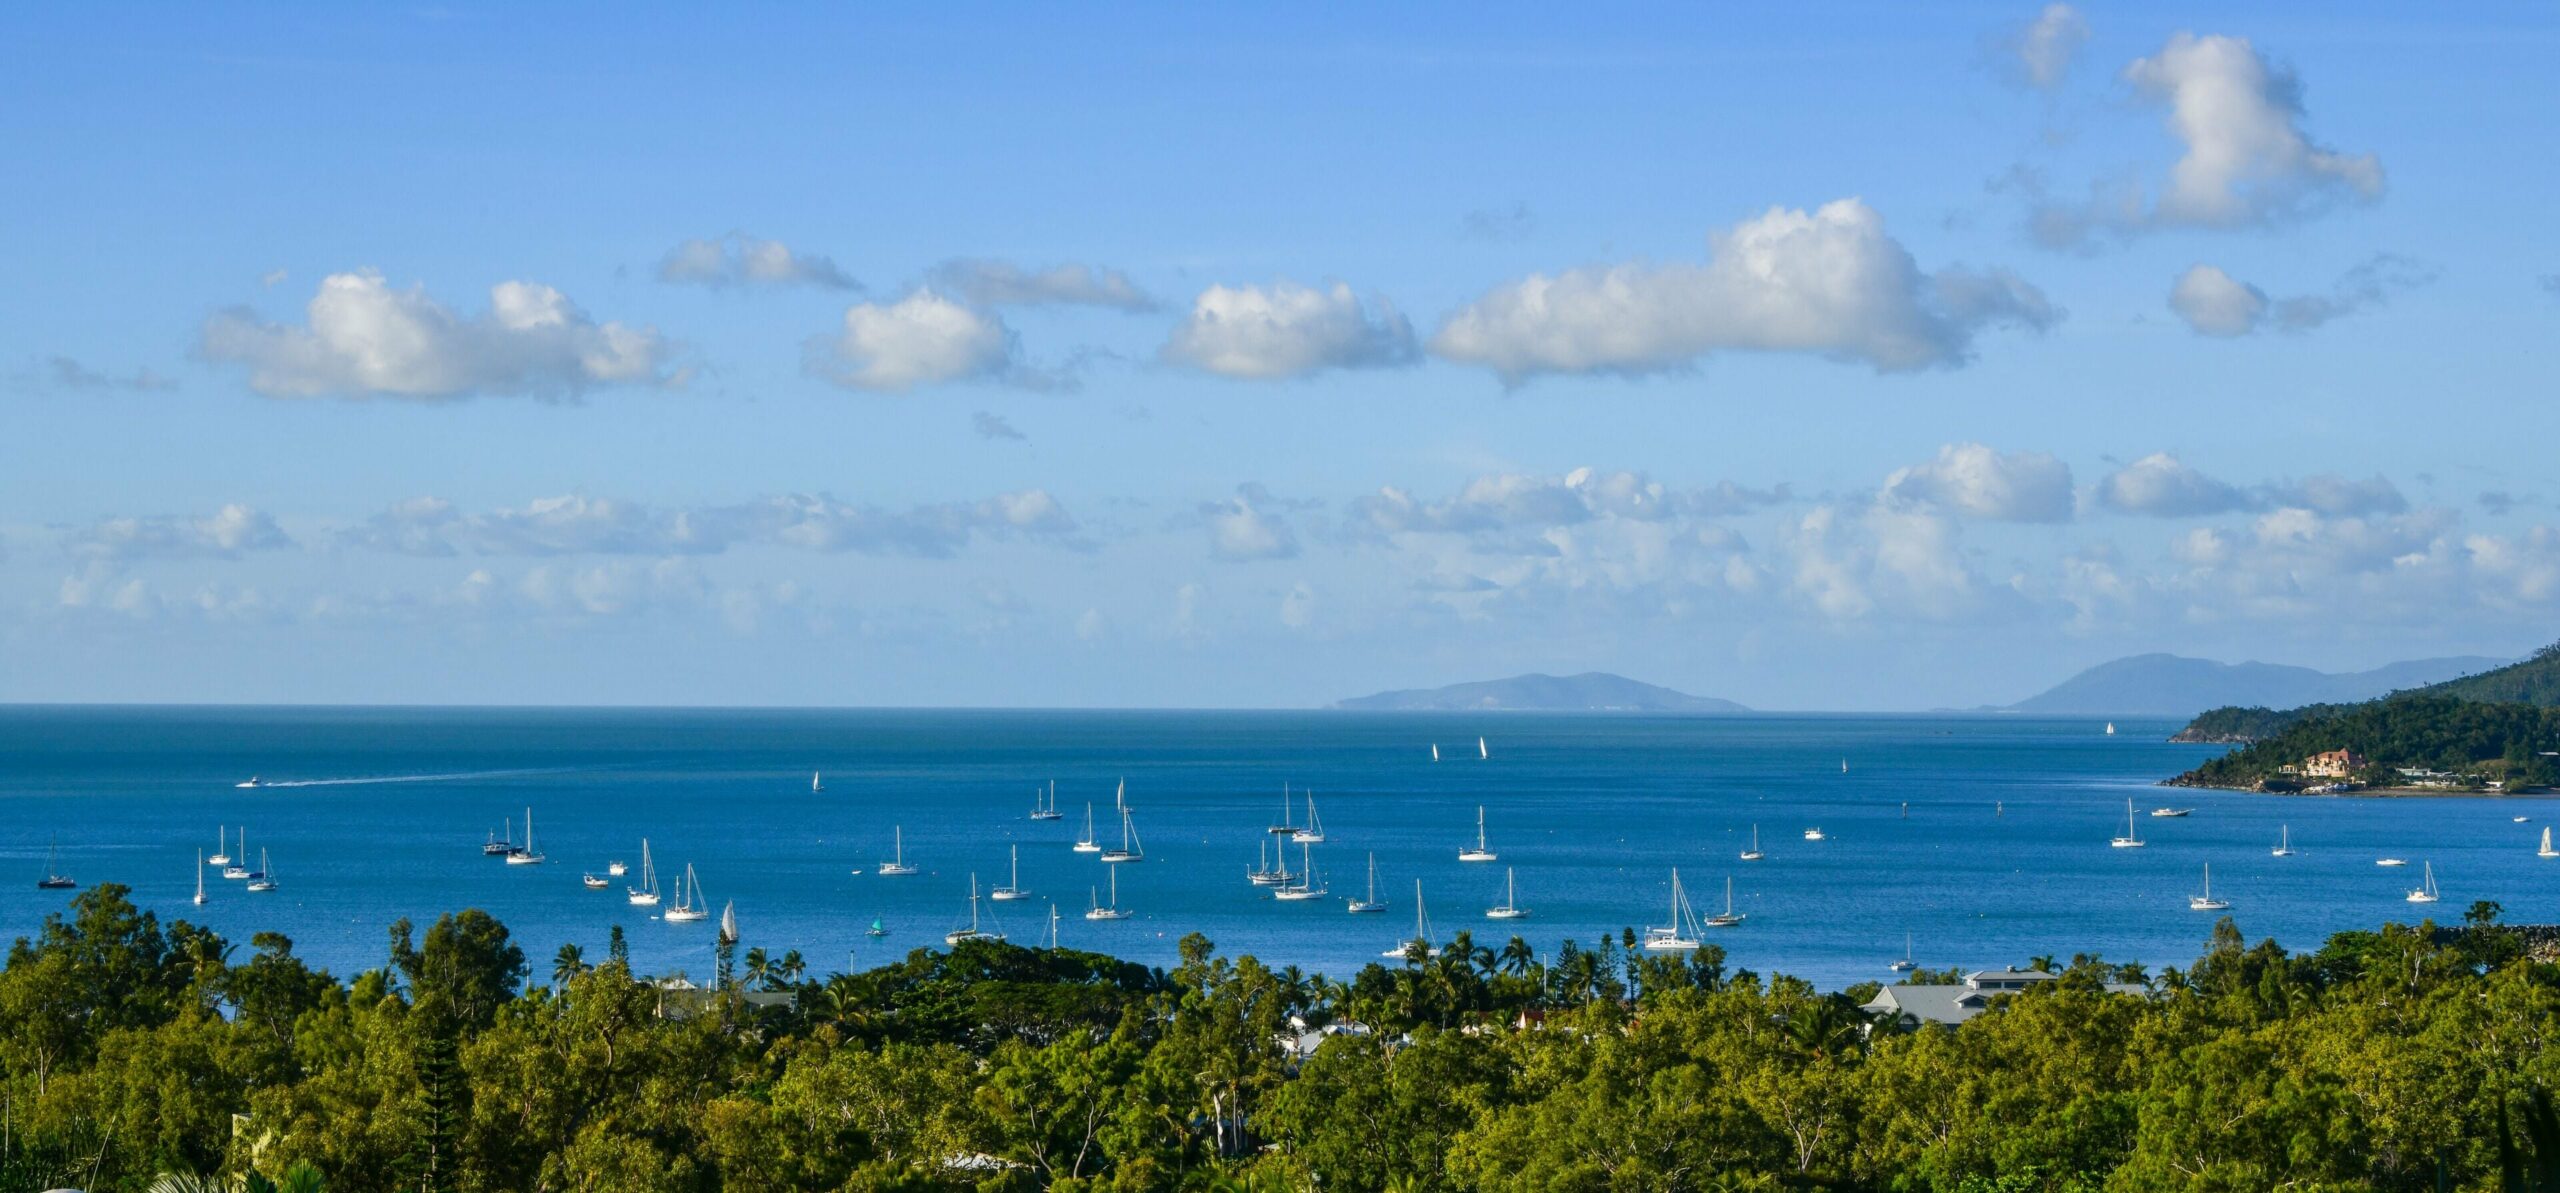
[
  {"x": 2205, "y": 901},
  {"x": 526, "y": 855},
  {"x": 1120, "y": 797},
  {"x": 1049, "y": 810},
  {"x": 1509, "y": 908},
  {"x": 897, "y": 865},
  {"x": 1481, "y": 752},
  {"x": 689, "y": 904},
  {"x": 1287, "y": 825},
  {"x": 239, "y": 867},
  {"x": 1110, "y": 911},
  {"x": 1053, "y": 926},
  {"x": 1012, "y": 889},
  {"x": 645, "y": 894},
  {"x": 2546, "y": 850},
  {"x": 2111, "y": 729},
  {"x": 1478, "y": 853},
  {"x": 2284, "y": 841},
  {"x": 1313, "y": 833},
  {"x": 1753, "y": 854},
  {"x": 221, "y": 855},
  {"x": 1681, "y": 934},
  {"x": 199, "y": 878},
  {"x": 1905, "y": 965},
  {"x": 2426, "y": 892},
  {"x": 54, "y": 879},
  {"x": 594, "y": 882},
  {"x": 1086, "y": 843},
  {"x": 815, "y": 784},
  {"x": 1435, "y": 751},
  {"x": 972, "y": 932},
  {"x": 1726, "y": 918},
  {"x": 1305, "y": 888},
  {"x": 265, "y": 879},
  {"x": 1130, "y": 849},
  {"x": 1266, "y": 874},
  {"x": 1372, "y": 903},
  {"x": 2131, "y": 839},
  {"x": 1421, "y": 930}
]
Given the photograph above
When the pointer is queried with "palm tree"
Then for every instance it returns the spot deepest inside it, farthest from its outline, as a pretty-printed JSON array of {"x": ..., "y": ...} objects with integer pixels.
[
  {"x": 1517, "y": 956},
  {"x": 566, "y": 965},
  {"x": 791, "y": 966},
  {"x": 2043, "y": 964},
  {"x": 760, "y": 969}
]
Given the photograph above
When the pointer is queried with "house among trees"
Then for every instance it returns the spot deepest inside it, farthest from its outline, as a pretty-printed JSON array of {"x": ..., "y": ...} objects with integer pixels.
[
  {"x": 2333, "y": 764},
  {"x": 1951, "y": 1005}
]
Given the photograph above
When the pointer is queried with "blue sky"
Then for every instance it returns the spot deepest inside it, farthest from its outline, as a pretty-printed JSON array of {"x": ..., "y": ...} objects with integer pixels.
[{"x": 1815, "y": 357}]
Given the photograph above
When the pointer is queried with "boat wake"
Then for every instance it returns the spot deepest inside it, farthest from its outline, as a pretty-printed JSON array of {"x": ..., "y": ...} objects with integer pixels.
[{"x": 368, "y": 780}]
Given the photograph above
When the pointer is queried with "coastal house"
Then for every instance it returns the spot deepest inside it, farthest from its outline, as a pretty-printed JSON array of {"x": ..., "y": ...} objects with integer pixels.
[
  {"x": 680, "y": 998},
  {"x": 1951, "y": 1005},
  {"x": 2333, "y": 764}
]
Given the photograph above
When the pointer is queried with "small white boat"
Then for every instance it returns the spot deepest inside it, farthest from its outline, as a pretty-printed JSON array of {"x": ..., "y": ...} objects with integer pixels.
[
  {"x": 645, "y": 894},
  {"x": 1305, "y": 888},
  {"x": 1111, "y": 910},
  {"x": 1421, "y": 931},
  {"x": 897, "y": 865},
  {"x": 200, "y": 878},
  {"x": 1509, "y": 908},
  {"x": 689, "y": 905},
  {"x": 615, "y": 869},
  {"x": 2172, "y": 813},
  {"x": 1905, "y": 965},
  {"x": 2205, "y": 901},
  {"x": 2546, "y": 850},
  {"x": 265, "y": 879},
  {"x": 1012, "y": 889},
  {"x": 1372, "y": 903},
  {"x": 1313, "y": 833},
  {"x": 2389, "y": 861},
  {"x": 2284, "y": 841},
  {"x": 2522, "y": 819},
  {"x": 2131, "y": 839},
  {"x": 1753, "y": 854},
  {"x": 1479, "y": 853},
  {"x": 1728, "y": 917},
  {"x": 2426, "y": 892},
  {"x": 221, "y": 855},
  {"x": 1130, "y": 849},
  {"x": 594, "y": 882},
  {"x": 1681, "y": 934},
  {"x": 254, "y": 781},
  {"x": 1049, "y": 810},
  {"x": 972, "y": 932},
  {"x": 1086, "y": 843},
  {"x": 1813, "y": 834},
  {"x": 527, "y": 855}
]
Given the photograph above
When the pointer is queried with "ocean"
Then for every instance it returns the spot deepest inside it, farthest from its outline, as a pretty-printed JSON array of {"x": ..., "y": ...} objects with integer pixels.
[{"x": 1984, "y": 838}]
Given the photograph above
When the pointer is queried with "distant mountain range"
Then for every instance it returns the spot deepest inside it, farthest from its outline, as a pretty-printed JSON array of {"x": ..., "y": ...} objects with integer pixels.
[
  {"x": 1589, "y": 692},
  {"x": 2167, "y": 685}
]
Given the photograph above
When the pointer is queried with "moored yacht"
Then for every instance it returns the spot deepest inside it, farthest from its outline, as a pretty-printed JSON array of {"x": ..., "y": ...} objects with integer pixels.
[
  {"x": 1421, "y": 931},
  {"x": 1372, "y": 903},
  {"x": 2205, "y": 901},
  {"x": 1111, "y": 910},
  {"x": 1012, "y": 889},
  {"x": 1509, "y": 908},
  {"x": 2426, "y": 892},
  {"x": 645, "y": 894},
  {"x": 1681, "y": 934},
  {"x": 1753, "y": 854},
  {"x": 1478, "y": 853},
  {"x": 2131, "y": 839},
  {"x": 1305, "y": 888},
  {"x": 972, "y": 932},
  {"x": 1728, "y": 917},
  {"x": 897, "y": 865}
]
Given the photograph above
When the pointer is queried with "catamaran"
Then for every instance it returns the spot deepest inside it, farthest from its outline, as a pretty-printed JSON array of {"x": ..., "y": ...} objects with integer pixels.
[
  {"x": 972, "y": 932},
  {"x": 645, "y": 894},
  {"x": 1509, "y": 908},
  {"x": 1726, "y": 918},
  {"x": 1479, "y": 853},
  {"x": 1130, "y": 850},
  {"x": 53, "y": 880},
  {"x": 897, "y": 863},
  {"x": 221, "y": 855},
  {"x": 1086, "y": 843},
  {"x": 1012, "y": 889},
  {"x": 1111, "y": 910},
  {"x": 2131, "y": 838},
  {"x": 1372, "y": 903},
  {"x": 1905, "y": 965},
  {"x": 2206, "y": 901},
  {"x": 1421, "y": 930},
  {"x": 689, "y": 905},
  {"x": 1266, "y": 874},
  {"x": 1313, "y": 833},
  {"x": 1049, "y": 810},
  {"x": 2426, "y": 892},
  {"x": 528, "y": 855},
  {"x": 199, "y": 878},
  {"x": 1753, "y": 854},
  {"x": 265, "y": 879},
  {"x": 2546, "y": 850},
  {"x": 1681, "y": 934},
  {"x": 1305, "y": 888},
  {"x": 2284, "y": 841}
]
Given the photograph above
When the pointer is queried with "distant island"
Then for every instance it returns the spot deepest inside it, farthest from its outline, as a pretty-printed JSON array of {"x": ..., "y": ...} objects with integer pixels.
[
  {"x": 2496, "y": 731},
  {"x": 2167, "y": 685},
  {"x": 1591, "y": 691}
]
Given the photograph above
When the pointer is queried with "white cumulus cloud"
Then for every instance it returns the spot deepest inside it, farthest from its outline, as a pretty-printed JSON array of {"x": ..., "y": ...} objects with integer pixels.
[
  {"x": 1286, "y": 330},
  {"x": 1830, "y": 282},
  {"x": 921, "y": 339},
  {"x": 227, "y": 533},
  {"x": 2216, "y": 304},
  {"x": 2163, "y": 486},
  {"x": 1973, "y": 480},
  {"x": 1242, "y": 528},
  {"x": 738, "y": 259}
]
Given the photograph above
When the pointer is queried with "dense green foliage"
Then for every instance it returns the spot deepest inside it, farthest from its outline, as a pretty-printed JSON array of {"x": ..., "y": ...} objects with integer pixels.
[
  {"x": 129, "y": 1049},
  {"x": 2534, "y": 681},
  {"x": 2245, "y": 725},
  {"x": 2429, "y": 732}
]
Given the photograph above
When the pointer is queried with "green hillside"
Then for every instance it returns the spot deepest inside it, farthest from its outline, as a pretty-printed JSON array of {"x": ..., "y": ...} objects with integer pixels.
[
  {"x": 2534, "y": 681},
  {"x": 2472, "y": 742}
]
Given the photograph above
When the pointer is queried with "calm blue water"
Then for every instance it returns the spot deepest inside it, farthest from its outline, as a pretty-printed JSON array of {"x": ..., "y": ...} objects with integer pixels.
[{"x": 1592, "y": 812}]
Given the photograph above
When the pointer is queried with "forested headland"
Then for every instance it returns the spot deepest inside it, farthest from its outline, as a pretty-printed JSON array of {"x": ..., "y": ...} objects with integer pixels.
[
  {"x": 2469, "y": 744},
  {"x": 134, "y": 1051}
]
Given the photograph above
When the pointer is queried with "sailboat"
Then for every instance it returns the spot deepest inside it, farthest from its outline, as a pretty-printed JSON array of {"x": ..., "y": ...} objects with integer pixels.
[
  {"x": 1049, "y": 810},
  {"x": 645, "y": 894},
  {"x": 1844, "y": 766},
  {"x": 877, "y": 928},
  {"x": 1726, "y": 918},
  {"x": 1435, "y": 751},
  {"x": 1481, "y": 752},
  {"x": 53, "y": 879},
  {"x": 2426, "y": 892},
  {"x": 2111, "y": 729},
  {"x": 814, "y": 785},
  {"x": 221, "y": 855},
  {"x": 1012, "y": 889},
  {"x": 1509, "y": 908},
  {"x": 1421, "y": 930},
  {"x": 2546, "y": 850},
  {"x": 1681, "y": 934},
  {"x": 1372, "y": 903},
  {"x": 1306, "y": 887},
  {"x": 972, "y": 932},
  {"x": 199, "y": 878},
  {"x": 1086, "y": 843},
  {"x": 2131, "y": 838},
  {"x": 2284, "y": 841},
  {"x": 1479, "y": 853},
  {"x": 594, "y": 882},
  {"x": 1905, "y": 965},
  {"x": 690, "y": 905},
  {"x": 1753, "y": 854},
  {"x": 1266, "y": 874},
  {"x": 1287, "y": 827},
  {"x": 1053, "y": 925},
  {"x": 897, "y": 865},
  {"x": 499, "y": 844},
  {"x": 1110, "y": 911},
  {"x": 1130, "y": 850},
  {"x": 2206, "y": 901},
  {"x": 1313, "y": 833},
  {"x": 239, "y": 867},
  {"x": 527, "y": 855},
  {"x": 265, "y": 879},
  {"x": 1120, "y": 797}
]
